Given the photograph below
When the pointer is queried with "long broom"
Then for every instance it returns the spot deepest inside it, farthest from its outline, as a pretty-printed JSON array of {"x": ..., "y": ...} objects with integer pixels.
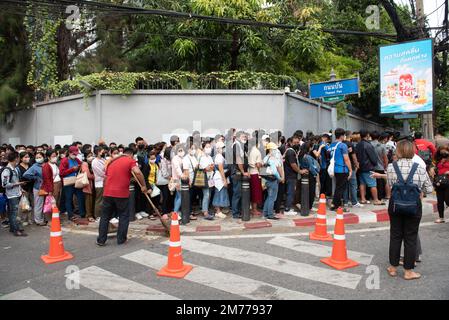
[{"x": 165, "y": 223}]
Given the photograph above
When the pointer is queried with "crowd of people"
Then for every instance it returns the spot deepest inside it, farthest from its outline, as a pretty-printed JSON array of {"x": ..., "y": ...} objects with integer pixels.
[{"x": 77, "y": 178}]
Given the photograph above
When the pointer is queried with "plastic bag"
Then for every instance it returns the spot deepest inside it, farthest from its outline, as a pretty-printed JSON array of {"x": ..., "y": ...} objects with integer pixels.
[
  {"x": 48, "y": 205},
  {"x": 24, "y": 204}
]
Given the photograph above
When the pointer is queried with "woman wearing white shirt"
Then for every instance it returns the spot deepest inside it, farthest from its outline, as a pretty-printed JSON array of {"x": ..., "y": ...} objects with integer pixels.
[
  {"x": 206, "y": 163},
  {"x": 221, "y": 197},
  {"x": 189, "y": 164},
  {"x": 99, "y": 170}
]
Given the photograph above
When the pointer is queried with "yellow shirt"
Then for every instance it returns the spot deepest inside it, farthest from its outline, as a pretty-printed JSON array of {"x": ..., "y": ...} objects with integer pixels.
[{"x": 152, "y": 177}]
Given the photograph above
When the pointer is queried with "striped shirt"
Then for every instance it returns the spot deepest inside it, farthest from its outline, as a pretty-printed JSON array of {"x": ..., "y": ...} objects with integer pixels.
[{"x": 420, "y": 178}]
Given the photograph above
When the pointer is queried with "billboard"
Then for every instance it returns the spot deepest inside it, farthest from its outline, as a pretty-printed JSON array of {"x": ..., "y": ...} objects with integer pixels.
[
  {"x": 334, "y": 88},
  {"x": 406, "y": 77}
]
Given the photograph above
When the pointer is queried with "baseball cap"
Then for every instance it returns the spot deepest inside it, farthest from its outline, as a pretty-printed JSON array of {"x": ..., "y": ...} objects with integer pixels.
[
  {"x": 271, "y": 146},
  {"x": 73, "y": 150}
]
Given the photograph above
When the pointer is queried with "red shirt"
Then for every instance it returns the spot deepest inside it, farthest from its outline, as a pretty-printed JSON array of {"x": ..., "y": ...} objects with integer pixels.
[
  {"x": 443, "y": 167},
  {"x": 118, "y": 176},
  {"x": 424, "y": 145}
]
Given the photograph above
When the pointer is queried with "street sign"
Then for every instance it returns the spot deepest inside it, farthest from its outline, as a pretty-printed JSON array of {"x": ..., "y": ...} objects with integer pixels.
[
  {"x": 335, "y": 99},
  {"x": 334, "y": 88}
]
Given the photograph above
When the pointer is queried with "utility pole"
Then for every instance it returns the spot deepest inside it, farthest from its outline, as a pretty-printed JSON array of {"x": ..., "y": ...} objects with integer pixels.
[{"x": 427, "y": 119}]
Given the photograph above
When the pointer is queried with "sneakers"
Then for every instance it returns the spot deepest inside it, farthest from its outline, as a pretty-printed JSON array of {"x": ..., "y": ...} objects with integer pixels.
[
  {"x": 100, "y": 244},
  {"x": 358, "y": 205},
  {"x": 113, "y": 221},
  {"x": 138, "y": 216},
  {"x": 97, "y": 220},
  {"x": 290, "y": 212},
  {"x": 221, "y": 215},
  {"x": 143, "y": 214},
  {"x": 5, "y": 224},
  {"x": 272, "y": 218}
]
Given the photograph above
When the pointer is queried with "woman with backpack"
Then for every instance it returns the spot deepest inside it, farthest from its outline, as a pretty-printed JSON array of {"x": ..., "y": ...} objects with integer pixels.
[
  {"x": 309, "y": 163},
  {"x": 441, "y": 181},
  {"x": 34, "y": 173},
  {"x": 405, "y": 207}
]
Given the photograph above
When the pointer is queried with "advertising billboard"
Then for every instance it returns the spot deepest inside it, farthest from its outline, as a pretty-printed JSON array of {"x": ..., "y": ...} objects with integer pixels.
[
  {"x": 406, "y": 77},
  {"x": 334, "y": 88}
]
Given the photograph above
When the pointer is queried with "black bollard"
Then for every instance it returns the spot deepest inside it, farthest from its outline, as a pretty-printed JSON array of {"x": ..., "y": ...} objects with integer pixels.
[
  {"x": 185, "y": 201},
  {"x": 246, "y": 216},
  {"x": 305, "y": 206}
]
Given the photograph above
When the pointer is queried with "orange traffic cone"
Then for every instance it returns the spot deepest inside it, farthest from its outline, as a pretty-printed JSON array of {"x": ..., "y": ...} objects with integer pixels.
[
  {"x": 175, "y": 268},
  {"x": 320, "y": 232},
  {"x": 339, "y": 259},
  {"x": 56, "y": 252}
]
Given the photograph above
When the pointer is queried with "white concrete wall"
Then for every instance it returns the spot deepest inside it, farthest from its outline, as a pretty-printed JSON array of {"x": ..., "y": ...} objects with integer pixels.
[{"x": 156, "y": 114}]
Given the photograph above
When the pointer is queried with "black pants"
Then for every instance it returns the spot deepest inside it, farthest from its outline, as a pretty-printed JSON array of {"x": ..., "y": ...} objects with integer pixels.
[
  {"x": 312, "y": 190},
  {"x": 404, "y": 228},
  {"x": 325, "y": 183},
  {"x": 279, "y": 198},
  {"x": 381, "y": 184},
  {"x": 341, "y": 183},
  {"x": 110, "y": 206},
  {"x": 167, "y": 199},
  {"x": 442, "y": 197}
]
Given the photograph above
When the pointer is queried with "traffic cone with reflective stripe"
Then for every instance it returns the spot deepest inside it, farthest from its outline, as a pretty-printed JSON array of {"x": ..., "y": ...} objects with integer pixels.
[
  {"x": 320, "y": 232},
  {"x": 56, "y": 252},
  {"x": 175, "y": 267},
  {"x": 339, "y": 259}
]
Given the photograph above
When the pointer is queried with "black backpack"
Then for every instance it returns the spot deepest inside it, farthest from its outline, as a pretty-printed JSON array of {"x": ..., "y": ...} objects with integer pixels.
[
  {"x": 2, "y": 189},
  {"x": 405, "y": 195}
]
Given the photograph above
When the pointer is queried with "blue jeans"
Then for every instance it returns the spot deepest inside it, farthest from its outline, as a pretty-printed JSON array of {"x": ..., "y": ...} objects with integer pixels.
[
  {"x": 177, "y": 206},
  {"x": 272, "y": 190},
  {"x": 206, "y": 198},
  {"x": 351, "y": 190},
  {"x": 290, "y": 185},
  {"x": 13, "y": 208},
  {"x": 236, "y": 195},
  {"x": 69, "y": 192}
]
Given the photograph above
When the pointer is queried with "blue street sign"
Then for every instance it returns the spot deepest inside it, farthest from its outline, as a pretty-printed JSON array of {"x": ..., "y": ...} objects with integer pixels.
[{"x": 334, "y": 88}]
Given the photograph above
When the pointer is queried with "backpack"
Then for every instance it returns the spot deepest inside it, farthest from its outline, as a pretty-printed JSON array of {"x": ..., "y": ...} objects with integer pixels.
[
  {"x": 426, "y": 155},
  {"x": 2, "y": 189},
  {"x": 405, "y": 195}
]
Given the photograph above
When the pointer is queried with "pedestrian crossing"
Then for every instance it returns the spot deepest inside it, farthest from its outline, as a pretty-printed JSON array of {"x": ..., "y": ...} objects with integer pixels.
[{"x": 110, "y": 285}]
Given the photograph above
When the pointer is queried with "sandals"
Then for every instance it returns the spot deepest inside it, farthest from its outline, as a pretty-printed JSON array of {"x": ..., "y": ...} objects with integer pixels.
[
  {"x": 192, "y": 217},
  {"x": 152, "y": 217},
  {"x": 91, "y": 219},
  {"x": 392, "y": 271},
  {"x": 365, "y": 202},
  {"x": 440, "y": 220},
  {"x": 379, "y": 203}
]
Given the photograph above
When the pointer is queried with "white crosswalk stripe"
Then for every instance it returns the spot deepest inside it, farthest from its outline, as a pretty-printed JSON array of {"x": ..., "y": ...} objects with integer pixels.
[
  {"x": 317, "y": 250},
  {"x": 23, "y": 294},
  {"x": 297, "y": 269},
  {"x": 116, "y": 287},
  {"x": 223, "y": 281}
]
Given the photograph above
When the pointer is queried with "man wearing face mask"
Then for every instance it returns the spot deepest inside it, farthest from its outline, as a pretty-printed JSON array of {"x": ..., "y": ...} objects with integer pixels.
[
  {"x": 239, "y": 169},
  {"x": 292, "y": 170},
  {"x": 69, "y": 168},
  {"x": 143, "y": 162}
]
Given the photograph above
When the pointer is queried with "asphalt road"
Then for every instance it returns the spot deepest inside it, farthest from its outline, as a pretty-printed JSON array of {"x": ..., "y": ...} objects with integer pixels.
[{"x": 226, "y": 267}]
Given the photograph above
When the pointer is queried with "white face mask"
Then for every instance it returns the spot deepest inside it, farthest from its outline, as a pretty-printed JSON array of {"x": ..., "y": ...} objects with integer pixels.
[
  {"x": 192, "y": 152},
  {"x": 153, "y": 161},
  {"x": 208, "y": 151},
  {"x": 72, "y": 156},
  {"x": 40, "y": 160},
  {"x": 53, "y": 160},
  {"x": 115, "y": 156},
  {"x": 181, "y": 154},
  {"x": 90, "y": 159}
]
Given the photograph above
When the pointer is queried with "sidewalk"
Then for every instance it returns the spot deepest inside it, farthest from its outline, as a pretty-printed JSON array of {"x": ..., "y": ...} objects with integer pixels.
[{"x": 368, "y": 214}]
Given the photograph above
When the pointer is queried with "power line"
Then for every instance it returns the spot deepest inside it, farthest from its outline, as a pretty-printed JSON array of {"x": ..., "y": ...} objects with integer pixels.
[{"x": 183, "y": 15}]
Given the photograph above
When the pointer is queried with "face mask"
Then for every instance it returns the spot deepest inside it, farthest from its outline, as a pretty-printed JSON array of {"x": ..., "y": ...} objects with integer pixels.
[
  {"x": 107, "y": 158},
  {"x": 90, "y": 159},
  {"x": 40, "y": 160},
  {"x": 54, "y": 160},
  {"x": 296, "y": 147},
  {"x": 140, "y": 146},
  {"x": 208, "y": 151},
  {"x": 192, "y": 152},
  {"x": 72, "y": 156},
  {"x": 103, "y": 155},
  {"x": 181, "y": 154},
  {"x": 120, "y": 153},
  {"x": 27, "y": 160},
  {"x": 115, "y": 156},
  {"x": 153, "y": 161}
]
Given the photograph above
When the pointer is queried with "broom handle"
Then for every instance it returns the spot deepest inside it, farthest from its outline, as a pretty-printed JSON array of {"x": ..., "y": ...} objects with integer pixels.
[{"x": 146, "y": 195}]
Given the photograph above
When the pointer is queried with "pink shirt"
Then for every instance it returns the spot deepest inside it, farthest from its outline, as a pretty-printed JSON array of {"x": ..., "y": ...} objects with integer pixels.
[{"x": 176, "y": 165}]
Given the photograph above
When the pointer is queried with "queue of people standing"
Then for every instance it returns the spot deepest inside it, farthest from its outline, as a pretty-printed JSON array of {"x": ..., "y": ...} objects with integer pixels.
[{"x": 75, "y": 176}]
